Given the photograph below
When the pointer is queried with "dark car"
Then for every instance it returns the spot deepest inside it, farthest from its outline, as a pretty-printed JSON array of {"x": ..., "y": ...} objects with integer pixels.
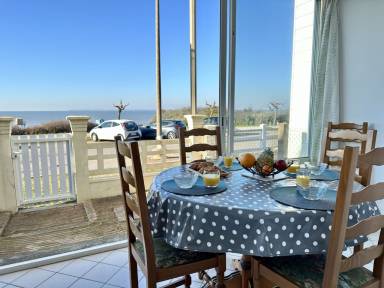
[
  {"x": 147, "y": 133},
  {"x": 169, "y": 128},
  {"x": 212, "y": 121}
]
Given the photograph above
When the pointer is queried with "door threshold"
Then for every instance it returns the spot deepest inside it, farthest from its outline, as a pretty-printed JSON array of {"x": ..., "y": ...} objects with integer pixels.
[{"x": 10, "y": 268}]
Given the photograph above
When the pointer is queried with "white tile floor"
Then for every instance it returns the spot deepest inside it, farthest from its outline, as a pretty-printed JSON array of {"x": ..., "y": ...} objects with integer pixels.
[{"x": 104, "y": 270}]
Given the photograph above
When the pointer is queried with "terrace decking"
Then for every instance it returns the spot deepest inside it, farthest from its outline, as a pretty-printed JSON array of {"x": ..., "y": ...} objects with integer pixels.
[{"x": 33, "y": 234}]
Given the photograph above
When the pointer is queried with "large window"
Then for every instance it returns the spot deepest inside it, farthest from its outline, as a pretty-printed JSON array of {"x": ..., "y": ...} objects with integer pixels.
[{"x": 273, "y": 72}]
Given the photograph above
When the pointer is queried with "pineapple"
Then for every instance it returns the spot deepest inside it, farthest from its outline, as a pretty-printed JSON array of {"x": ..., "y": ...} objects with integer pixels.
[{"x": 265, "y": 161}]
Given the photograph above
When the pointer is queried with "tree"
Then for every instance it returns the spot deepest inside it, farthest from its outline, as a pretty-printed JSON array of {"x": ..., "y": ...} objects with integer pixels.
[
  {"x": 120, "y": 108},
  {"x": 275, "y": 106},
  {"x": 212, "y": 108}
]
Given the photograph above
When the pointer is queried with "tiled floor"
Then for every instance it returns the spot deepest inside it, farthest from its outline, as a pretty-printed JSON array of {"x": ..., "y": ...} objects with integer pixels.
[{"x": 104, "y": 270}]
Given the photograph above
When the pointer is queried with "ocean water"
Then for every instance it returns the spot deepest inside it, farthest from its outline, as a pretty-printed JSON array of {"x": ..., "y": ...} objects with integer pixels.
[{"x": 32, "y": 118}]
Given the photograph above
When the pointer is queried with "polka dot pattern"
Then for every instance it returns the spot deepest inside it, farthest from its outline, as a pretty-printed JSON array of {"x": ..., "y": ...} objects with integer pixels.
[{"x": 243, "y": 219}]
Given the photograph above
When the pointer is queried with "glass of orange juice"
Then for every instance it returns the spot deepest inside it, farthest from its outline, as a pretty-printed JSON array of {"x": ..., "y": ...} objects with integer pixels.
[
  {"x": 211, "y": 179},
  {"x": 294, "y": 167},
  {"x": 303, "y": 181},
  {"x": 228, "y": 160}
]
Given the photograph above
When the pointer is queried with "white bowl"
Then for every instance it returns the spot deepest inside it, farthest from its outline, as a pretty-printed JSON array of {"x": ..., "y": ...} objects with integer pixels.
[{"x": 185, "y": 180}]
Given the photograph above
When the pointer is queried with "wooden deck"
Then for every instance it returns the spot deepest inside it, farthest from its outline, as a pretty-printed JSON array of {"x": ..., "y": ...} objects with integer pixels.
[{"x": 31, "y": 234}]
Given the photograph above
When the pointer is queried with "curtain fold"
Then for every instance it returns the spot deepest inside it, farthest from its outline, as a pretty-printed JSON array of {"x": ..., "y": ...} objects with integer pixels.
[{"x": 325, "y": 98}]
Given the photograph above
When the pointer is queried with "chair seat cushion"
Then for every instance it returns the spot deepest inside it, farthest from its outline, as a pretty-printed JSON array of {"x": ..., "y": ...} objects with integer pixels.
[
  {"x": 307, "y": 271},
  {"x": 168, "y": 256}
]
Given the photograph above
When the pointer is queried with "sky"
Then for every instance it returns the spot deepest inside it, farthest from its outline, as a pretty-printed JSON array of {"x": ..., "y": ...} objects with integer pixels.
[{"x": 88, "y": 54}]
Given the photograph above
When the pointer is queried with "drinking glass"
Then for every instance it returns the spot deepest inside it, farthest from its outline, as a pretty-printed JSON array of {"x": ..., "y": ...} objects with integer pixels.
[
  {"x": 303, "y": 181},
  {"x": 186, "y": 179},
  {"x": 316, "y": 190},
  {"x": 228, "y": 160},
  {"x": 294, "y": 167},
  {"x": 211, "y": 179},
  {"x": 316, "y": 168}
]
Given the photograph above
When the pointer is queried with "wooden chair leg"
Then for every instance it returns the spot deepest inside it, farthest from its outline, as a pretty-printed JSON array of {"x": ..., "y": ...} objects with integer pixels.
[
  {"x": 245, "y": 270},
  {"x": 255, "y": 273},
  {"x": 151, "y": 283},
  {"x": 133, "y": 271},
  {"x": 188, "y": 281},
  {"x": 220, "y": 269},
  {"x": 358, "y": 248}
]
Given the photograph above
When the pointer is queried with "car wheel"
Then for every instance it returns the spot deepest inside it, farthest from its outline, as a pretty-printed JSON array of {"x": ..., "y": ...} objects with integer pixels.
[
  {"x": 171, "y": 135},
  {"x": 94, "y": 137}
]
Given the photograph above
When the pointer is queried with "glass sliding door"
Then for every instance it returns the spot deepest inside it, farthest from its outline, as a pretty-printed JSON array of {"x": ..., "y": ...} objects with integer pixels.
[{"x": 266, "y": 56}]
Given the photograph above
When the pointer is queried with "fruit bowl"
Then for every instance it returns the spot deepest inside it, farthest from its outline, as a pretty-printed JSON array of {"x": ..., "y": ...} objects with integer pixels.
[
  {"x": 264, "y": 165},
  {"x": 256, "y": 169}
]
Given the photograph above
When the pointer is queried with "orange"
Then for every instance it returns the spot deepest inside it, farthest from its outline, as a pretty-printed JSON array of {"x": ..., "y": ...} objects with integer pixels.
[{"x": 247, "y": 160}]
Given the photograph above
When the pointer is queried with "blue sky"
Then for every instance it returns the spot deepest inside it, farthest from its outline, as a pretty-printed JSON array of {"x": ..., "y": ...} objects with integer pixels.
[{"x": 87, "y": 54}]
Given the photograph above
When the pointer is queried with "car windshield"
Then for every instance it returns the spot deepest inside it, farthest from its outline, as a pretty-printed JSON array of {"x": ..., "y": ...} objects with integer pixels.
[{"x": 130, "y": 126}]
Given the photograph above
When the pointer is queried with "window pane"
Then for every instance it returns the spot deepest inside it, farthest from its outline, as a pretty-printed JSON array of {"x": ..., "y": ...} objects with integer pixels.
[{"x": 266, "y": 48}]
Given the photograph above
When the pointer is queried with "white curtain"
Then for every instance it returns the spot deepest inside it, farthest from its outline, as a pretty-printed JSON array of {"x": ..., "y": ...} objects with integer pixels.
[{"x": 325, "y": 99}]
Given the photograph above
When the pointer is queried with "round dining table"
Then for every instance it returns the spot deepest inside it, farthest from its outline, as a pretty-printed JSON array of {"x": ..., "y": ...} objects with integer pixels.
[{"x": 243, "y": 219}]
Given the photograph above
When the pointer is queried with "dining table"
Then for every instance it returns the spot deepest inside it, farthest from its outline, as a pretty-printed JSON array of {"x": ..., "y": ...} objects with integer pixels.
[{"x": 243, "y": 219}]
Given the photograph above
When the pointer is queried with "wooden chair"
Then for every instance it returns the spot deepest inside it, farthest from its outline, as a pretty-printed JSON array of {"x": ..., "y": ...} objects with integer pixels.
[
  {"x": 183, "y": 133},
  {"x": 335, "y": 270},
  {"x": 337, "y": 136},
  {"x": 158, "y": 260}
]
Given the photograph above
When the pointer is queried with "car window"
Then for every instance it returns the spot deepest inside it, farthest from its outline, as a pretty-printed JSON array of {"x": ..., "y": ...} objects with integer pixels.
[
  {"x": 114, "y": 124},
  {"x": 106, "y": 124},
  {"x": 130, "y": 126}
]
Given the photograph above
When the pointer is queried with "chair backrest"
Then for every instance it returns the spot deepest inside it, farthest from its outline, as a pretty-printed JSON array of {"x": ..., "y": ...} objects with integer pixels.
[
  {"x": 183, "y": 133},
  {"x": 338, "y": 136},
  {"x": 340, "y": 232},
  {"x": 135, "y": 203},
  {"x": 344, "y": 134}
]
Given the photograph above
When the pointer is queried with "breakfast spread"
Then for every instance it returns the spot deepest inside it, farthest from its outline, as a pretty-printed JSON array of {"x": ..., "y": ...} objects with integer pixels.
[{"x": 203, "y": 166}]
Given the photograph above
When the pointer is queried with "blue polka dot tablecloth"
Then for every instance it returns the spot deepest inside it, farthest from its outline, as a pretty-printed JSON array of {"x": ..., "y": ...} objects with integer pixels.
[{"x": 243, "y": 219}]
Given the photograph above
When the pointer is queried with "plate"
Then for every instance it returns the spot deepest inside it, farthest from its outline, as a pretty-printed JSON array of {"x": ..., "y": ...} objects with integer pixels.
[
  {"x": 235, "y": 167},
  {"x": 289, "y": 196},
  {"x": 327, "y": 175},
  {"x": 197, "y": 190},
  {"x": 292, "y": 175}
]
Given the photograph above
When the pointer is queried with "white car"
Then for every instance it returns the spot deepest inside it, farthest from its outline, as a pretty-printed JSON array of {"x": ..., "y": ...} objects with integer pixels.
[{"x": 126, "y": 129}]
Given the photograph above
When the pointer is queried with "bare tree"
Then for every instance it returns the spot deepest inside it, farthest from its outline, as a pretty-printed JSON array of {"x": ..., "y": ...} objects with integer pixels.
[
  {"x": 275, "y": 106},
  {"x": 120, "y": 108},
  {"x": 212, "y": 108}
]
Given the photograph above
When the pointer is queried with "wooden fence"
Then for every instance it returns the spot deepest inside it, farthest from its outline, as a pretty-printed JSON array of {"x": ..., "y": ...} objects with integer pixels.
[
  {"x": 42, "y": 168},
  {"x": 156, "y": 155},
  {"x": 45, "y": 170}
]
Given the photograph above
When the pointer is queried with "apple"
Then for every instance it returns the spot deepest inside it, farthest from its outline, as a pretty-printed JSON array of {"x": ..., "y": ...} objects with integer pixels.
[{"x": 281, "y": 165}]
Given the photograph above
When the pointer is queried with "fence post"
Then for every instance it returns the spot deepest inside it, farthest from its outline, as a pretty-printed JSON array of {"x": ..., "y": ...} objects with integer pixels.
[
  {"x": 80, "y": 150},
  {"x": 8, "y": 200},
  {"x": 263, "y": 136},
  {"x": 282, "y": 140}
]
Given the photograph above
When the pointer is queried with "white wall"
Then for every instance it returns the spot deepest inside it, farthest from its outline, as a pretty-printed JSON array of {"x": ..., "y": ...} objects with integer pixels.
[{"x": 362, "y": 66}]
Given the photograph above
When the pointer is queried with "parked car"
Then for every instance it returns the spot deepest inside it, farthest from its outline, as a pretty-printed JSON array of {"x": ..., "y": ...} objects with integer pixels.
[
  {"x": 170, "y": 128},
  {"x": 126, "y": 129},
  {"x": 211, "y": 121},
  {"x": 147, "y": 133}
]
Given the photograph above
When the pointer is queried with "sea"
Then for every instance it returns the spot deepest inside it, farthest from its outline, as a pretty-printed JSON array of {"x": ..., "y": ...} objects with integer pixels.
[{"x": 33, "y": 118}]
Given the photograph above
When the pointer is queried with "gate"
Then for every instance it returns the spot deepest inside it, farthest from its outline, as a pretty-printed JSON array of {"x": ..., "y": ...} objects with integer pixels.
[{"x": 43, "y": 168}]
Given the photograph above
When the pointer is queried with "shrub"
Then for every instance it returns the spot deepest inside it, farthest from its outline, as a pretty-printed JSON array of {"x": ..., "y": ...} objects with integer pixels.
[{"x": 53, "y": 127}]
